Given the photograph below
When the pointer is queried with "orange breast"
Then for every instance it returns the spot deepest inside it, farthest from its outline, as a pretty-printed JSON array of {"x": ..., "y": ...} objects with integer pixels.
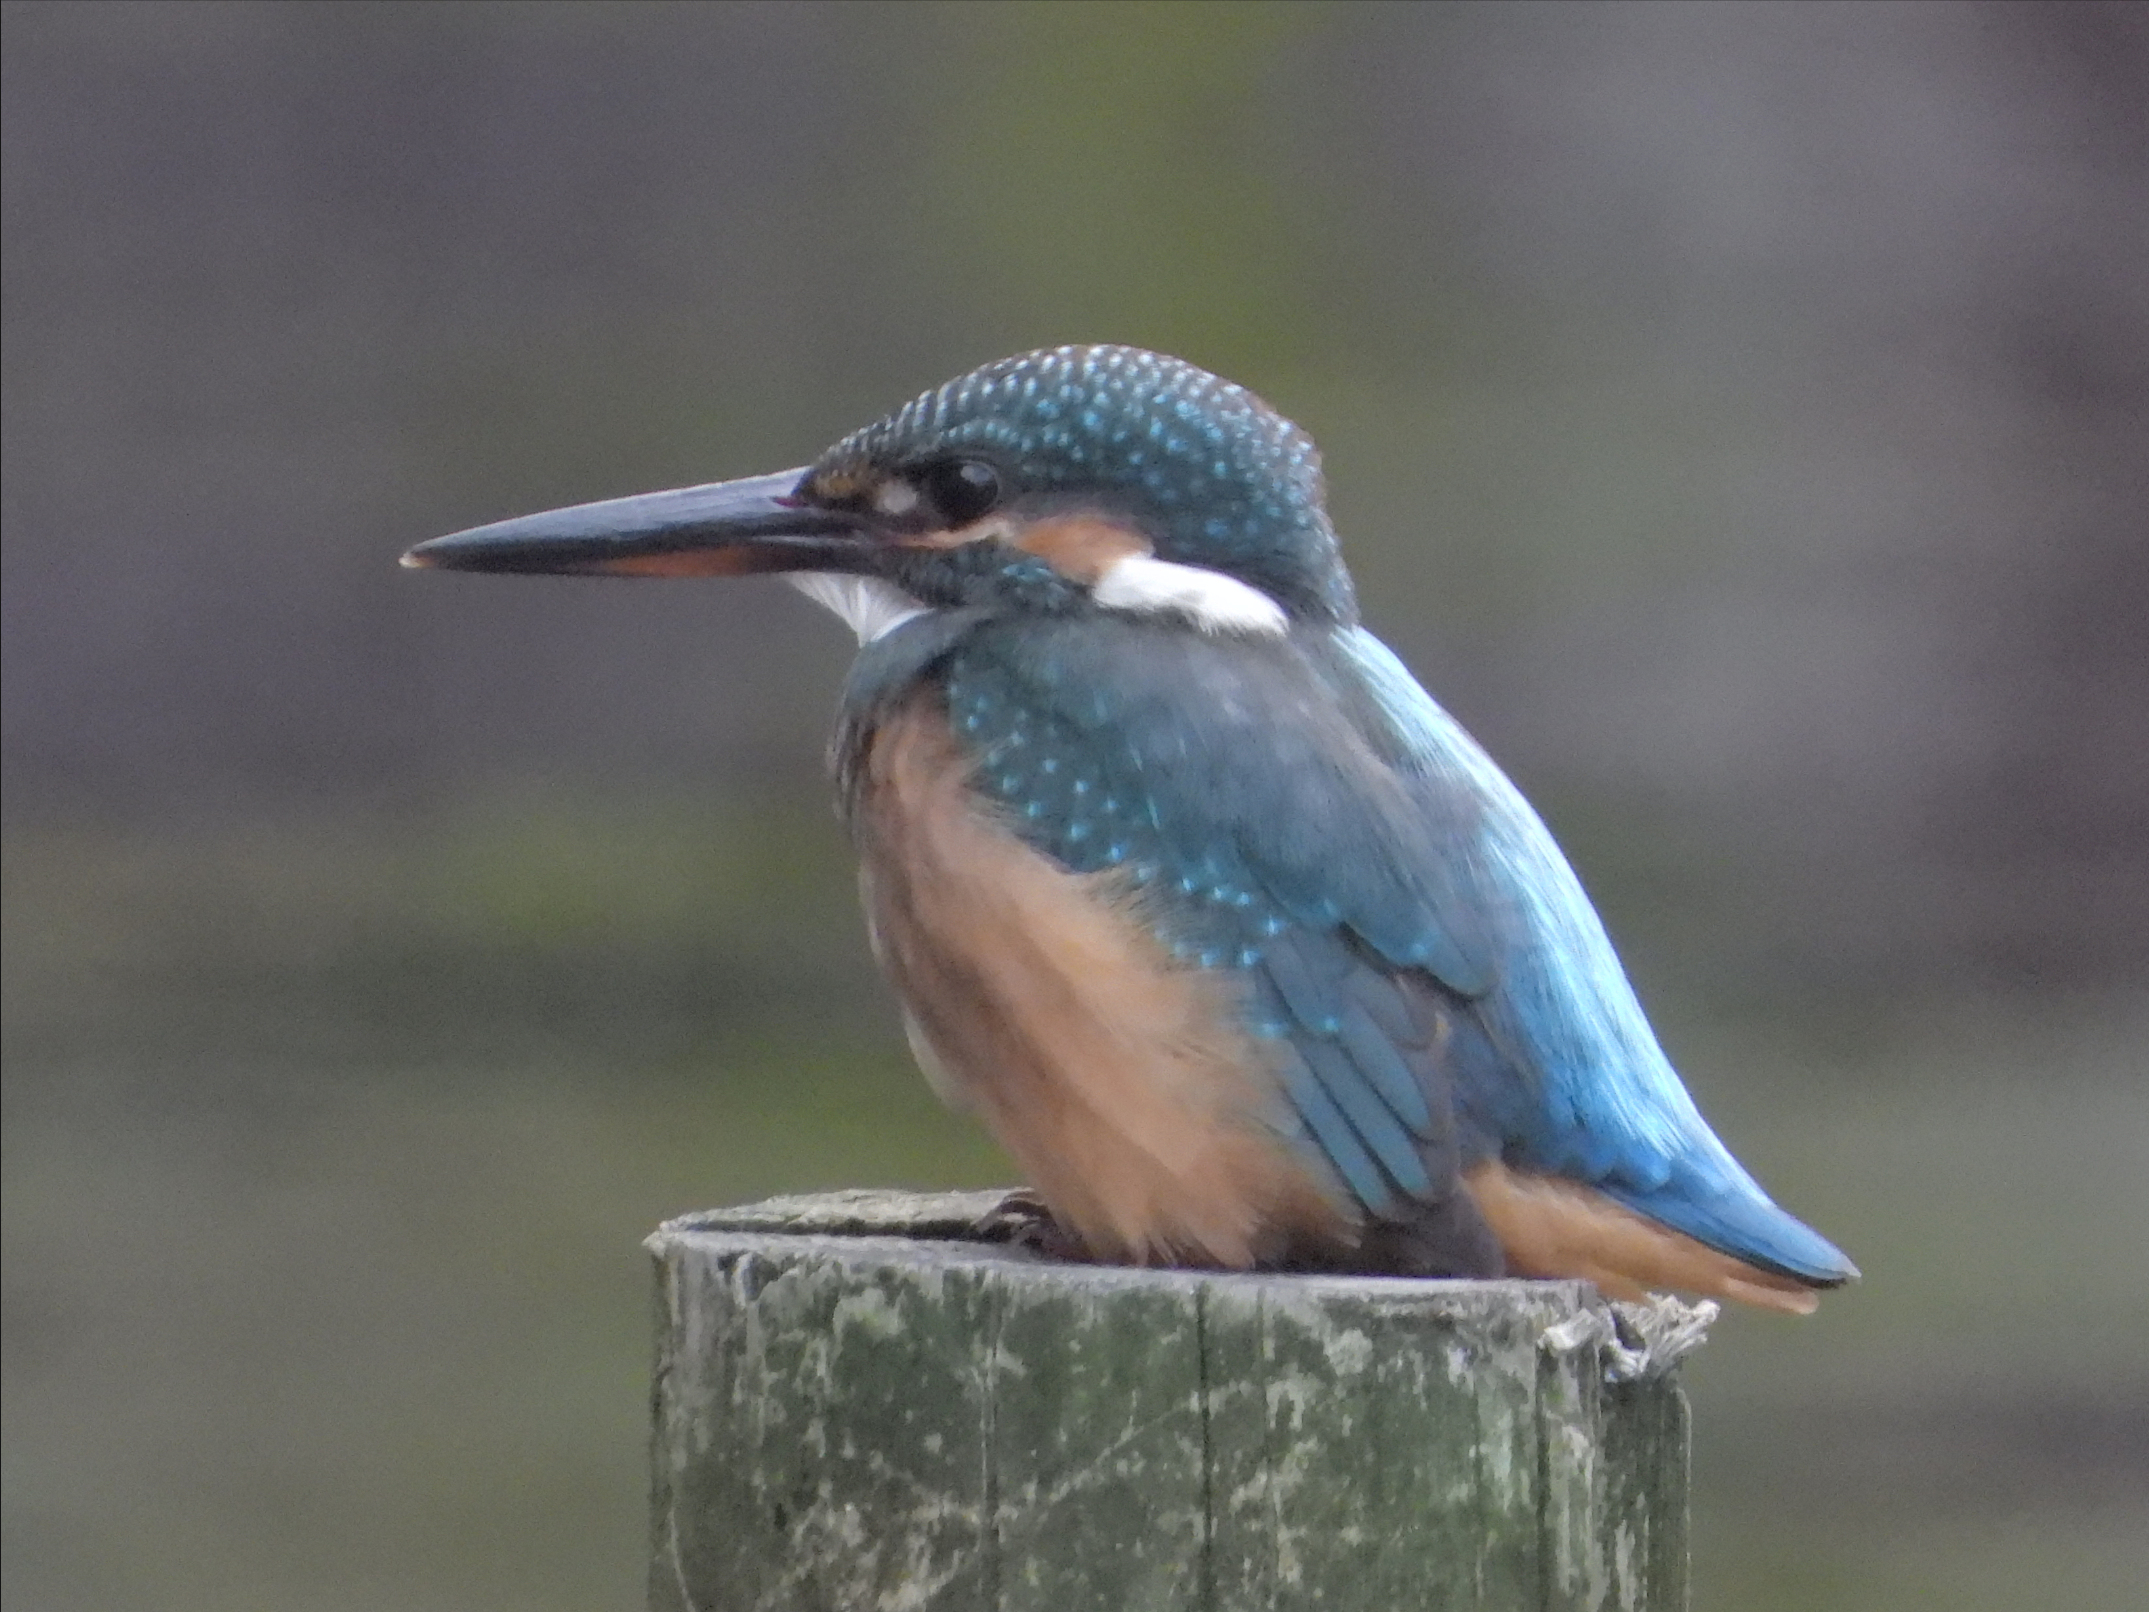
[{"x": 1121, "y": 1083}]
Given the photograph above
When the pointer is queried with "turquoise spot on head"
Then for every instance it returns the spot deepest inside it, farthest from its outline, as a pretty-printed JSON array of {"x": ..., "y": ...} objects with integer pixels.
[{"x": 1210, "y": 473}]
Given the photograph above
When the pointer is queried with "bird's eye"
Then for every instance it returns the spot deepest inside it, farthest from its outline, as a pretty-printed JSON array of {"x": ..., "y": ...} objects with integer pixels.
[{"x": 962, "y": 490}]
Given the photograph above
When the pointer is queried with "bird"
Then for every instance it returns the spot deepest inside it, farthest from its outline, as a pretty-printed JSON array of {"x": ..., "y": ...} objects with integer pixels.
[{"x": 1236, "y": 941}]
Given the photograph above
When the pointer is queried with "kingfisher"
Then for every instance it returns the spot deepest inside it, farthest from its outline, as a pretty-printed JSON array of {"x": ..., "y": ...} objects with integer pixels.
[{"x": 1238, "y": 943}]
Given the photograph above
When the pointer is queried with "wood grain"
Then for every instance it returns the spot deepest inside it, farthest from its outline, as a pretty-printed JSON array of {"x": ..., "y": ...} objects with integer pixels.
[{"x": 872, "y": 1411}]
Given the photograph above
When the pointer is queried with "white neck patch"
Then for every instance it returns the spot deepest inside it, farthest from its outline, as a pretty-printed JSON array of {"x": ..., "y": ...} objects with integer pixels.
[
  {"x": 870, "y": 607},
  {"x": 1144, "y": 585}
]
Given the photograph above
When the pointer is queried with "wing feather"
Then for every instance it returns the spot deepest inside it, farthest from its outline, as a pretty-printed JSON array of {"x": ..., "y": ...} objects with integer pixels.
[{"x": 1299, "y": 813}]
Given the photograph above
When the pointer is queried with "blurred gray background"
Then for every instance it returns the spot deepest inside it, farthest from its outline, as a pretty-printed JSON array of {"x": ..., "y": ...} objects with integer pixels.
[{"x": 1738, "y": 414}]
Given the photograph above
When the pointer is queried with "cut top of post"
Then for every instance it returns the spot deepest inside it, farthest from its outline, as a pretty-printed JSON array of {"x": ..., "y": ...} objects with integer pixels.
[{"x": 860, "y": 1403}]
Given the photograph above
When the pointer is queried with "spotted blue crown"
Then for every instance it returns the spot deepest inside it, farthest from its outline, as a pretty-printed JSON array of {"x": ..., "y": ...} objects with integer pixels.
[{"x": 1210, "y": 473}]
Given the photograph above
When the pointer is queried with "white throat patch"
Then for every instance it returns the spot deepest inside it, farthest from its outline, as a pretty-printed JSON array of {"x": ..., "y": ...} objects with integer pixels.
[
  {"x": 1145, "y": 585},
  {"x": 870, "y": 607}
]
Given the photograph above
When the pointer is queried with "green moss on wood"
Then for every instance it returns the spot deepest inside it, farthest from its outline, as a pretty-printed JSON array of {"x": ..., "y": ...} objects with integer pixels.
[{"x": 852, "y": 1420}]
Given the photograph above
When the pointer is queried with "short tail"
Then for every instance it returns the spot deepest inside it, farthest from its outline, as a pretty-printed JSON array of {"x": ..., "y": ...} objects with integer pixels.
[
  {"x": 1631, "y": 1244},
  {"x": 1737, "y": 1218}
]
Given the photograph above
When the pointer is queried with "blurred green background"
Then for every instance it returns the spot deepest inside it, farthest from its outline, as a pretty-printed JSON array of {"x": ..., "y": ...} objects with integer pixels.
[{"x": 1735, "y": 413}]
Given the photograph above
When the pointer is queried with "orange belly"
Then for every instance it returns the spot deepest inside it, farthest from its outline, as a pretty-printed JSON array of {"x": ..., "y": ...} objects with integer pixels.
[{"x": 1121, "y": 1083}]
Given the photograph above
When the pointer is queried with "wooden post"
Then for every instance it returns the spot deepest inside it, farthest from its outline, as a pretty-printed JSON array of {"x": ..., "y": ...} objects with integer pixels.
[{"x": 861, "y": 1405}]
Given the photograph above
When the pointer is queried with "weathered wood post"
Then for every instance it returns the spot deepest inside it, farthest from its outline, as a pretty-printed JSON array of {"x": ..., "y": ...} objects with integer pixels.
[{"x": 861, "y": 1405}]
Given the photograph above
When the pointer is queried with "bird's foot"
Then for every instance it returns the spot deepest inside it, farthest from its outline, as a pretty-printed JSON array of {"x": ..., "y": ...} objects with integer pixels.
[{"x": 1021, "y": 1220}]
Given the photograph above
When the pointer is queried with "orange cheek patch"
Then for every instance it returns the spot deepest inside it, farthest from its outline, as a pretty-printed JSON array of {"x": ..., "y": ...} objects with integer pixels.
[
  {"x": 1554, "y": 1228},
  {"x": 1082, "y": 547},
  {"x": 1079, "y": 547}
]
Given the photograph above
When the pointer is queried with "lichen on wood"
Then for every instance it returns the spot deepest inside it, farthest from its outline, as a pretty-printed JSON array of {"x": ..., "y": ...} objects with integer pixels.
[{"x": 860, "y": 1406}]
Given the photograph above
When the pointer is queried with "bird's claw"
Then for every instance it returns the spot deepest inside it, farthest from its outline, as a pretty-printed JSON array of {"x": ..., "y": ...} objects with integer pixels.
[{"x": 1021, "y": 1220}]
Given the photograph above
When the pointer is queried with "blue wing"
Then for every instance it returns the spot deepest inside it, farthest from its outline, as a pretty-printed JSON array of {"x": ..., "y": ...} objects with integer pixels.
[
  {"x": 1301, "y": 813},
  {"x": 1567, "y": 1072}
]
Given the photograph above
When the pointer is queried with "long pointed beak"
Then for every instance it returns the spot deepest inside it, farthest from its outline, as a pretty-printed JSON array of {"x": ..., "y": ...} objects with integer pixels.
[{"x": 727, "y": 528}]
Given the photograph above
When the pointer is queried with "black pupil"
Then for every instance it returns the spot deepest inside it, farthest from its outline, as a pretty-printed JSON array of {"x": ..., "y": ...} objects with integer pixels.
[{"x": 962, "y": 489}]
